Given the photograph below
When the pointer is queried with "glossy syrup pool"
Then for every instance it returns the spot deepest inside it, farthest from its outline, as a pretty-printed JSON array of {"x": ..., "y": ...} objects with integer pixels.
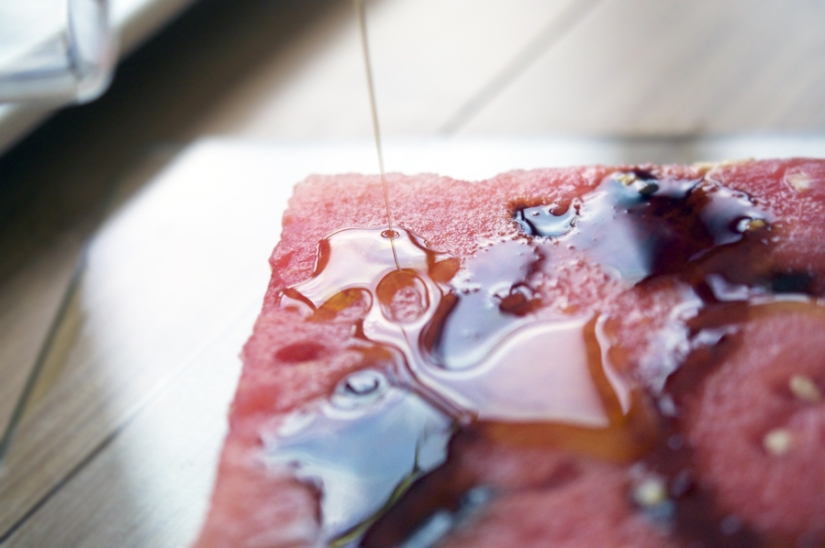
[{"x": 475, "y": 359}]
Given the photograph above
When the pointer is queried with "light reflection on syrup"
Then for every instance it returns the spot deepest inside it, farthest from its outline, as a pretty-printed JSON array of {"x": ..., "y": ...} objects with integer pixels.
[
  {"x": 490, "y": 298},
  {"x": 638, "y": 226},
  {"x": 333, "y": 446}
]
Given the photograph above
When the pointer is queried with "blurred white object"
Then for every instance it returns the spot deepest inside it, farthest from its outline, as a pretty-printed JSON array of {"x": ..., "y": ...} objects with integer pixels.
[
  {"x": 132, "y": 21},
  {"x": 55, "y": 51}
]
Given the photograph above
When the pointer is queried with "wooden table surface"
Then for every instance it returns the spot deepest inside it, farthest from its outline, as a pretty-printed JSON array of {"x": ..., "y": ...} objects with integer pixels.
[{"x": 291, "y": 70}]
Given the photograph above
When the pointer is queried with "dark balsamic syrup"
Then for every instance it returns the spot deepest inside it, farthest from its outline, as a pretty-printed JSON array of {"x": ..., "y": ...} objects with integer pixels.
[
  {"x": 640, "y": 227},
  {"x": 491, "y": 297}
]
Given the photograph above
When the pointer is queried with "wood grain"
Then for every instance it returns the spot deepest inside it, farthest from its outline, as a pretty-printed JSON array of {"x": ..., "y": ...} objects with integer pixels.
[
  {"x": 430, "y": 57},
  {"x": 637, "y": 67},
  {"x": 151, "y": 297},
  {"x": 150, "y": 484}
]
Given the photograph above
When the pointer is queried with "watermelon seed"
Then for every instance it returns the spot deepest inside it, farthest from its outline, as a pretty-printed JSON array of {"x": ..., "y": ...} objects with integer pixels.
[
  {"x": 777, "y": 442},
  {"x": 730, "y": 525},
  {"x": 649, "y": 492},
  {"x": 804, "y": 389}
]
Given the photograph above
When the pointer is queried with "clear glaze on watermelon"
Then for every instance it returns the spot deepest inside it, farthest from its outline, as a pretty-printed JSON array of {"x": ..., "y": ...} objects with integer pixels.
[{"x": 601, "y": 356}]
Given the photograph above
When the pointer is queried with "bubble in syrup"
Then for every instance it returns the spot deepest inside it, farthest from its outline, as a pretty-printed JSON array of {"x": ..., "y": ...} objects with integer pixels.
[
  {"x": 403, "y": 296},
  {"x": 390, "y": 234},
  {"x": 548, "y": 221},
  {"x": 360, "y": 389}
]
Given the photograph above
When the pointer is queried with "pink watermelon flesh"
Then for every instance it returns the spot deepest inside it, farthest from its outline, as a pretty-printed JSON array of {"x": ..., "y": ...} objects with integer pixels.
[{"x": 709, "y": 346}]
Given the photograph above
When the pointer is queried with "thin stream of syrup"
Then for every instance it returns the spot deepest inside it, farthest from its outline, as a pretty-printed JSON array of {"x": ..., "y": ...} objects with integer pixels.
[{"x": 376, "y": 129}]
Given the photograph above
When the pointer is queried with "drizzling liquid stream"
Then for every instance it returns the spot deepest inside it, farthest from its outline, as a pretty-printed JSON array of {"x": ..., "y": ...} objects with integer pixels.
[{"x": 376, "y": 128}]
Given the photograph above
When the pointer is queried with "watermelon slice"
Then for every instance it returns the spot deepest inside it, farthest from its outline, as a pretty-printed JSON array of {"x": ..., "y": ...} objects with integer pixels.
[{"x": 599, "y": 356}]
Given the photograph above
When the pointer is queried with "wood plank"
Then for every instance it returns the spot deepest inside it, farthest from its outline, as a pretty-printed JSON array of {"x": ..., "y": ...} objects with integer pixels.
[
  {"x": 31, "y": 295},
  {"x": 150, "y": 485},
  {"x": 151, "y": 297},
  {"x": 28, "y": 304},
  {"x": 430, "y": 57},
  {"x": 642, "y": 67}
]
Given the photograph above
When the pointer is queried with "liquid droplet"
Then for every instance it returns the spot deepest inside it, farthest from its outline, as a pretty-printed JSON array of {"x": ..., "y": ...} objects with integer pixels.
[
  {"x": 403, "y": 296},
  {"x": 360, "y": 389}
]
